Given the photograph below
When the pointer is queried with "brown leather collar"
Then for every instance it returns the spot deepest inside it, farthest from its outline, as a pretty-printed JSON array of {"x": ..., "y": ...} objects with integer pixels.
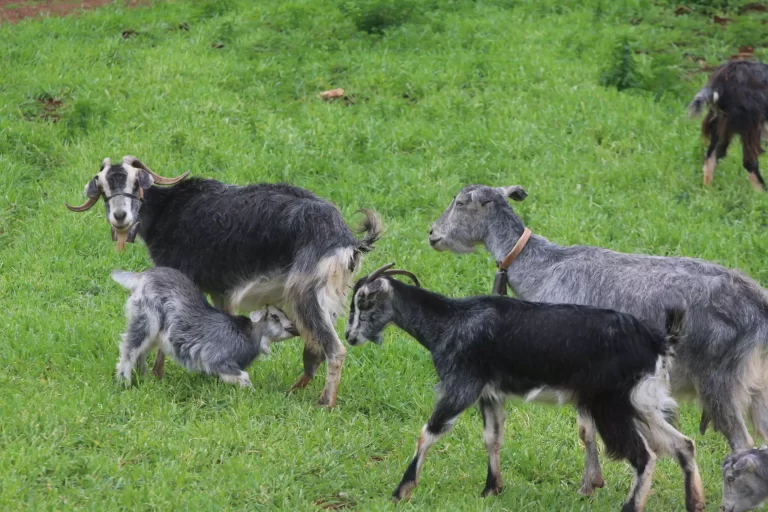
[{"x": 516, "y": 250}]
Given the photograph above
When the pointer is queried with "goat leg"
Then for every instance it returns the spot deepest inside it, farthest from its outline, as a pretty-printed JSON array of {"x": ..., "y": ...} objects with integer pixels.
[
  {"x": 704, "y": 423},
  {"x": 750, "y": 145},
  {"x": 158, "y": 369},
  {"x": 592, "y": 477},
  {"x": 442, "y": 420},
  {"x": 492, "y": 412},
  {"x": 335, "y": 362},
  {"x": 312, "y": 357}
]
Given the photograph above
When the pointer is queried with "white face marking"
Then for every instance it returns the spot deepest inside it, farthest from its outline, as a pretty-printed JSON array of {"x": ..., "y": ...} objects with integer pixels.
[
  {"x": 120, "y": 205},
  {"x": 355, "y": 323}
]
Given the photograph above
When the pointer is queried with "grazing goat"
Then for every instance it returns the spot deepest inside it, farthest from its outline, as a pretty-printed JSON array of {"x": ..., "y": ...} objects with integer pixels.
[
  {"x": 608, "y": 364},
  {"x": 745, "y": 480},
  {"x": 723, "y": 355},
  {"x": 737, "y": 96},
  {"x": 247, "y": 247},
  {"x": 167, "y": 310}
]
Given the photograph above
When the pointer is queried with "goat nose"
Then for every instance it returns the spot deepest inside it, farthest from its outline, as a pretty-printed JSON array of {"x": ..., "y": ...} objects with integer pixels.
[
  {"x": 431, "y": 231},
  {"x": 120, "y": 215}
]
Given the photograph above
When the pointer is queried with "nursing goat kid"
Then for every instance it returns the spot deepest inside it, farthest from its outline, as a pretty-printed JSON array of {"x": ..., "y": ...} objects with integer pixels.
[
  {"x": 722, "y": 357},
  {"x": 246, "y": 246},
  {"x": 167, "y": 310},
  {"x": 737, "y": 96},
  {"x": 607, "y": 364}
]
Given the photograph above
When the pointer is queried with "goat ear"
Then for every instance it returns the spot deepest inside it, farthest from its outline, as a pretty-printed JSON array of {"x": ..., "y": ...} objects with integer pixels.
[
  {"x": 515, "y": 192},
  {"x": 145, "y": 179},
  {"x": 746, "y": 463},
  {"x": 92, "y": 188},
  {"x": 256, "y": 316},
  {"x": 376, "y": 287}
]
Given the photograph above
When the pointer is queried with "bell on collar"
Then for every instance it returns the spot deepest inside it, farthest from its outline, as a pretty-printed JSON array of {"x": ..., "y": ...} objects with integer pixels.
[{"x": 500, "y": 283}]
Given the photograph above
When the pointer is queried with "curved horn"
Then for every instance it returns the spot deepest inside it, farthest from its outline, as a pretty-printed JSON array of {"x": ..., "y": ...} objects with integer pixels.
[
  {"x": 160, "y": 180},
  {"x": 85, "y": 206},
  {"x": 379, "y": 271},
  {"x": 395, "y": 272}
]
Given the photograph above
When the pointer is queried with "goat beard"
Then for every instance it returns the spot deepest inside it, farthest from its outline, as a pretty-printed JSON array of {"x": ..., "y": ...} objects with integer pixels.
[{"x": 122, "y": 237}]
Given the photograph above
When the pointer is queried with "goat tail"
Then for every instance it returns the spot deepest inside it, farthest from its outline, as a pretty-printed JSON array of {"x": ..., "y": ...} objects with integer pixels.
[
  {"x": 674, "y": 325},
  {"x": 704, "y": 97},
  {"x": 129, "y": 280},
  {"x": 372, "y": 228}
]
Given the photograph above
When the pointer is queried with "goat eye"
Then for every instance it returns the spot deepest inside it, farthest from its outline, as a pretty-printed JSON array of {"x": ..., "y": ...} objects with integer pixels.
[
  {"x": 731, "y": 478},
  {"x": 275, "y": 318},
  {"x": 460, "y": 203}
]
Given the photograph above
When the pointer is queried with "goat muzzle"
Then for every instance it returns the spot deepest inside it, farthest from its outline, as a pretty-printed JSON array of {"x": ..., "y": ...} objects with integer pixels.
[
  {"x": 85, "y": 206},
  {"x": 160, "y": 180}
]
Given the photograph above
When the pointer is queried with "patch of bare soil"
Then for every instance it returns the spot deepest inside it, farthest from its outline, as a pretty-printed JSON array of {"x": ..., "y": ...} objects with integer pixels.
[
  {"x": 16, "y": 10},
  {"x": 50, "y": 108}
]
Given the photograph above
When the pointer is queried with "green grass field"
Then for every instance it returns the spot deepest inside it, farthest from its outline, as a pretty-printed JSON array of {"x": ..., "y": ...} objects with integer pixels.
[{"x": 440, "y": 94}]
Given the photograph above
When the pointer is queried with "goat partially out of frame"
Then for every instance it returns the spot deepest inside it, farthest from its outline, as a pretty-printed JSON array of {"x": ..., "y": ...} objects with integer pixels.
[
  {"x": 722, "y": 358},
  {"x": 745, "y": 480},
  {"x": 608, "y": 364},
  {"x": 247, "y": 247},
  {"x": 737, "y": 96},
  {"x": 167, "y": 310}
]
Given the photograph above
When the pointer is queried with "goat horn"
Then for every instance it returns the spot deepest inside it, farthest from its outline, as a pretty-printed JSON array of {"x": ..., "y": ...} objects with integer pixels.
[
  {"x": 85, "y": 206},
  {"x": 410, "y": 275},
  {"x": 379, "y": 271},
  {"x": 160, "y": 180}
]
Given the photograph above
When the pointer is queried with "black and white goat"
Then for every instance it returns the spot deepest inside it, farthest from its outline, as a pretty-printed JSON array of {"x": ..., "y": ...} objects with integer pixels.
[
  {"x": 737, "y": 96},
  {"x": 246, "y": 246},
  {"x": 167, "y": 310},
  {"x": 608, "y": 364}
]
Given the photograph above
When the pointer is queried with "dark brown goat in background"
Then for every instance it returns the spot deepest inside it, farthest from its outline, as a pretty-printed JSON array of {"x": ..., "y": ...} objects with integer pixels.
[{"x": 737, "y": 96}]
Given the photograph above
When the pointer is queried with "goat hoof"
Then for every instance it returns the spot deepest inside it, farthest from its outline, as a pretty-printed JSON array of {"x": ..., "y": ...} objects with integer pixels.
[
  {"x": 302, "y": 383},
  {"x": 403, "y": 492},
  {"x": 488, "y": 491},
  {"x": 588, "y": 488},
  {"x": 326, "y": 402}
]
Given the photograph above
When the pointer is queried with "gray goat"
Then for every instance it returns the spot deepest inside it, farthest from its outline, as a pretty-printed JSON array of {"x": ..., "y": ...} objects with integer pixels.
[
  {"x": 167, "y": 310},
  {"x": 745, "y": 480},
  {"x": 722, "y": 355}
]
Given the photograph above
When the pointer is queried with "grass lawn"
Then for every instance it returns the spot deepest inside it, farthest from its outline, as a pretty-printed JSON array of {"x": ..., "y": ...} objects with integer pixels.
[{"x": 439, "y": 94}]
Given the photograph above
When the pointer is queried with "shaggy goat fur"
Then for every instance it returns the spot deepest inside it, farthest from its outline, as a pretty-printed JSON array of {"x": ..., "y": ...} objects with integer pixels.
[
  {"x": 167, "y": 310},
  {"x": 737, "y": 96},
  {"x": 723, "y": 355},
  {"x": 247, "y": 246},
  {"x": 608, "y": 364}
]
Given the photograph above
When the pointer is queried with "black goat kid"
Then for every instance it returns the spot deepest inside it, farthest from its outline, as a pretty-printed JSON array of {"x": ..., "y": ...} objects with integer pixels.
[
  {"x": 737, "y": 96},
  {"x": 608, "y": 364},
  {"x": 246, "y": 246}
]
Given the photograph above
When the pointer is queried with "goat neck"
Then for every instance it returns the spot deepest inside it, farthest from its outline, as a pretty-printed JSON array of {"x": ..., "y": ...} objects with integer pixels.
[
  {"x": 154, "y": 201},
  {"x": 527, "y": 269},
  {"x": 420, "y": 313}
]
